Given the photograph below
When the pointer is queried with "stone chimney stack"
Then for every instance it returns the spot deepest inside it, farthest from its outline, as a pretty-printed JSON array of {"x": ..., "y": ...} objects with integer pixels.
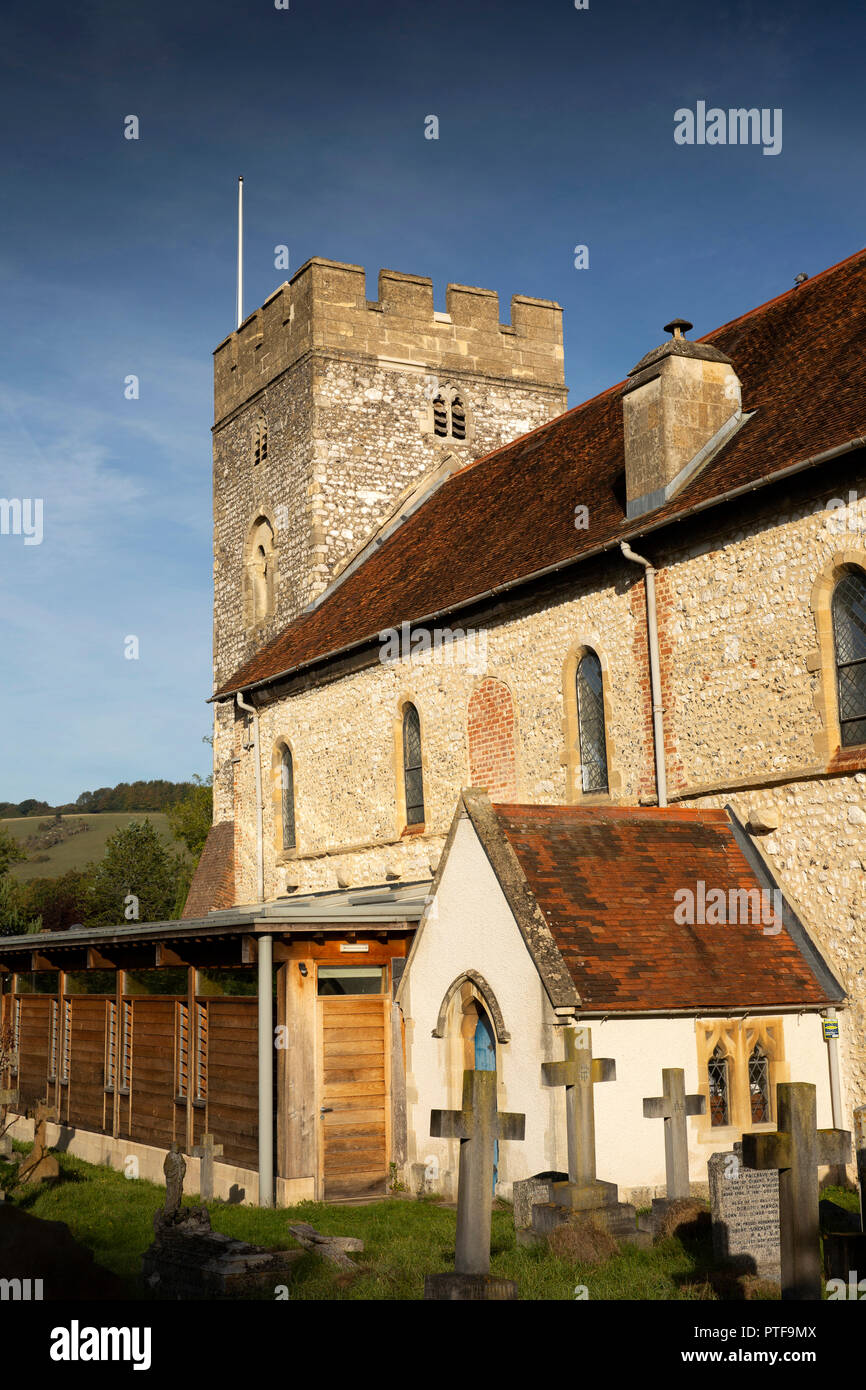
[{"x": 682, "y": 402}]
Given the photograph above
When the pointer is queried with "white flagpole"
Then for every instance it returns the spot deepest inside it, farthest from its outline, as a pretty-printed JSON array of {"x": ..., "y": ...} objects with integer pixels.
[{"x": 240, "y": 250}]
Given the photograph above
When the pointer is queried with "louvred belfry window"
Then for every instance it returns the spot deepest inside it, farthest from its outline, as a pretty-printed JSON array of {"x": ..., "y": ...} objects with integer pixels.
[
  {"x": 440, "y": 417},
  {"x": 260, "y": 442},
  {"x": 849, "y": 634},
  {"x": 590, "y": 722},
  {"x": 458, "y": 419},
  {"x": 412, "y": 774}
]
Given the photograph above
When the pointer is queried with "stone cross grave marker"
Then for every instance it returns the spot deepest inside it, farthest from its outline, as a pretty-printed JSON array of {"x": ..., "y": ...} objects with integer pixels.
[
  {"x": 478, "y": 1124},
  {"x": 579, "y": 1073},
  {"x": 796, "y": 1148},
  {"x": 860, "y": 1150},
  {"x": 672, "y": 1106},
  {"x": 207, "y": 1151},
  {"x": 39, "y": 1163}
]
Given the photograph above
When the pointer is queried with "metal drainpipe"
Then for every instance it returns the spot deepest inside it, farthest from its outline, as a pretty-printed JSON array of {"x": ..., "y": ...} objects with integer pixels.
[
  {"x": 655, "y": 677},
  {"x": 265, "y": 954},
  {"x": 835, "y": 1083},
  {"x": 260, "y": 862}
]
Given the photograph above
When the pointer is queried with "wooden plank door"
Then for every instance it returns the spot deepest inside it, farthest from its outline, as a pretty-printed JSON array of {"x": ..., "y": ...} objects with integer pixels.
[{"x": 355, "y": 1104}]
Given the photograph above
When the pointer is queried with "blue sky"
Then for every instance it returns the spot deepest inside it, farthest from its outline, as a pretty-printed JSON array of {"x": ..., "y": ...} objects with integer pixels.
[{"x": 117, "y": 258}]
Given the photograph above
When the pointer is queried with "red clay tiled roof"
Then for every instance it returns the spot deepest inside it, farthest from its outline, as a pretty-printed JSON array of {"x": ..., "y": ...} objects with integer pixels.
[
  {"x": 801, "y": 363},
  {"x": 605, "y": 881},
  {"x": 213, "y": 883}
]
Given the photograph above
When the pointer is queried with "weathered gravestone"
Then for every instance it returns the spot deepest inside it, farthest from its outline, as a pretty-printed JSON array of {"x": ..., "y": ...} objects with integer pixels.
[
  {"x": 844, "y": 1238},
  {"x": 478, "y": 1125},
  {"x": 7, "y": 1098},
  {"x": 795, "y": 1150},
  {"x": 584, "y": 1192},
  {"x": 526, "y": 1192},
  {"x": 744, "y": 1207},
  {"x": 189, "y": 1260},
  {"x": 39, "y": 1163},
  {"x": 673, "y": 1106},
  {"x": 206, "y": 1152}
]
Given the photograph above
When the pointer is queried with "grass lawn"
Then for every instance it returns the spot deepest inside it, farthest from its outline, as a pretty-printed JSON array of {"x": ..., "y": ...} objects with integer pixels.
[
  {"x": 78, "y": 850},
  {"x": 404, "y": 1239}
]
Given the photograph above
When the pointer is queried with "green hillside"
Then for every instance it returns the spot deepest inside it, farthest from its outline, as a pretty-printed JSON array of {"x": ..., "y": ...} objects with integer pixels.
[{"x": 79, "y": 849}]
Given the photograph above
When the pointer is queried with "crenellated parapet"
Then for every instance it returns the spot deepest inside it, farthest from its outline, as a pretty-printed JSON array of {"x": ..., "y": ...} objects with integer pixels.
[{"x": 324, "y": 308}]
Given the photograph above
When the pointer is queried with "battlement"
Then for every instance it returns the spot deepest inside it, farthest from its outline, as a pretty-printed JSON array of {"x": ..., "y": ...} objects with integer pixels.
[{"x": 324, "y": 308}]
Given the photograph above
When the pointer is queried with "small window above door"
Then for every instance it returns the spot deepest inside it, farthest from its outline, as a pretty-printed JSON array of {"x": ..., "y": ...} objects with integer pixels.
[{"x": 351, "y": 979}]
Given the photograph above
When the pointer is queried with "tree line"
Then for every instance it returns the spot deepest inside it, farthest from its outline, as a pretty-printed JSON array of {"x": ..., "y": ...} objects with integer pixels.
[
  {"x": 139, "y": 878},
  {"x": 156, "y": 795}
]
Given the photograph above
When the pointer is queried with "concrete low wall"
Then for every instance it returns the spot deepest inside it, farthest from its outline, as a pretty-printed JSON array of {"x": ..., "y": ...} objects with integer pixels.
[{"x": 237, "y": 1185}]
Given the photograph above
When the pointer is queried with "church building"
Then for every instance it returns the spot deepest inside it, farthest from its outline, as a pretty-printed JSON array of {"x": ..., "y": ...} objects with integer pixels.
[{"x": 526, "y": 718}]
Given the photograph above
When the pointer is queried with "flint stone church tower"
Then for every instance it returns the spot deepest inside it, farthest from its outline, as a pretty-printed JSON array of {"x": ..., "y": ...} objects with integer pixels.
[{"x": 333, "y": 413}]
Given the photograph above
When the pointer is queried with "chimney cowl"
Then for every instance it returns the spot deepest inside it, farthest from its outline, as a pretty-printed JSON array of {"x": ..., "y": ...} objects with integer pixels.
[{"x": 677, "y": 347}]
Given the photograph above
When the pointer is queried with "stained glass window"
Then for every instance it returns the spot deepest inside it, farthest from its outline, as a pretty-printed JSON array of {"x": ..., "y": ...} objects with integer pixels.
[
  {"x": 717, "y": 1071},
  {"x": 413, "y": 777},
  {"x": 849, "y": 632},
  {"x": 759, "y": 1085},
  {"x": 590, "y": 720},
  {"x": 287, "y": 796}
]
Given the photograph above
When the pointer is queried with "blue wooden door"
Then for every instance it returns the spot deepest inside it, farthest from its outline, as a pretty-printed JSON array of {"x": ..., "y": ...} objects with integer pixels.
[{"x": 485, "y": 1060}]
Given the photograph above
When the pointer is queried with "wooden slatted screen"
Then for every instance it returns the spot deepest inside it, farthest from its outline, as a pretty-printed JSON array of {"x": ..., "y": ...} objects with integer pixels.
[
  {"x": 34, "y": 1014},
  {"x": 354, "y": 1095},
  {"x": 232, "y": 1058},
  {"x": 86, "y": 1032}
]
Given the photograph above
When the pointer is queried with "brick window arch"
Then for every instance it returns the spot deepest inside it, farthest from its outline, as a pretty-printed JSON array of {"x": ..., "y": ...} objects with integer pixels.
[{"x": 492, "y": 757}]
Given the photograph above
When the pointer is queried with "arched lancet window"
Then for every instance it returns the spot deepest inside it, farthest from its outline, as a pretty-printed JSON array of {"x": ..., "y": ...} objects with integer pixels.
[
  {"x": 759, "y": 1085},
  {"x": 717, "y": 1074},
  {"x": 849, "y": 635},
  {"x": 260, "y": 578},
  {"x": 590, "y": 723},
  {"x": 458, "y": 419},
  {"x": 412, "y": 775},
  {"x": 287, "y": 798}
]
